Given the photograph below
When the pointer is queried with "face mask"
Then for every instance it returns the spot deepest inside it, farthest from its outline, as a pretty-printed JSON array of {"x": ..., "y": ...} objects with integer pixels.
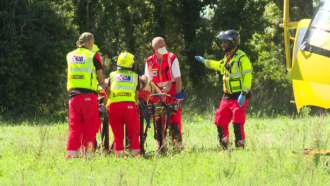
[{"x": 162, "y": 50}]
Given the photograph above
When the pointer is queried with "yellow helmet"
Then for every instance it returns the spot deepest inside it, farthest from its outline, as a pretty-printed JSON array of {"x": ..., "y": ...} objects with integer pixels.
[{"x": 125, "y": 60}]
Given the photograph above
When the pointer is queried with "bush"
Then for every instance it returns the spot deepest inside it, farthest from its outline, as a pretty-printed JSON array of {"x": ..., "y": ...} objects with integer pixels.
[{"x": 35, "y": 37}]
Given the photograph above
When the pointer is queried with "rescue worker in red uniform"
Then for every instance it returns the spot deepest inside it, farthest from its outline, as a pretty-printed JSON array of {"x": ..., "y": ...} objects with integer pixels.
[
  {"x": 237, "y": 77},
  {"x": 163, "y": 68},
  {"x": 84, "y": 72},
  {"x": 123, "y": 97}
]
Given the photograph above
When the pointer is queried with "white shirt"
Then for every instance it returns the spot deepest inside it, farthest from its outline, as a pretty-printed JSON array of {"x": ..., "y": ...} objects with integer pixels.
[{"x": 175, "y": 70}]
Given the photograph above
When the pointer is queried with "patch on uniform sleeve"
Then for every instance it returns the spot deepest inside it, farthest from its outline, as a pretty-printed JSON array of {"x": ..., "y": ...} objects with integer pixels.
[{"x": 130, "y": 107}]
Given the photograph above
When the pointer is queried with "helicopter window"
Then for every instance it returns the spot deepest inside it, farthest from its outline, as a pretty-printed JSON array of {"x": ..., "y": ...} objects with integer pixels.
[
  {"x": 326, "y": 6},
  {"x": 299, "y": 39},
  {"x": 322, "y": 20},
  {"x": 319, "y": 31},
  {"x": 319, "y": 38}
]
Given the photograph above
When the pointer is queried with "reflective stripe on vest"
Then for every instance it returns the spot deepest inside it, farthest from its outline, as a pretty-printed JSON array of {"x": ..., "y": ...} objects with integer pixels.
[
  {"x": 237, "y": 71},
  {"x": 234, "y": 80},
  {"x": 89, "y": 68},
  {"x": 207, "y": 63},
  {"x": 95, "y": 48},
  {"x": 81, "y": 70},
  {"x": 123, "y": 86},
  {"x": 245, "y": 89}
]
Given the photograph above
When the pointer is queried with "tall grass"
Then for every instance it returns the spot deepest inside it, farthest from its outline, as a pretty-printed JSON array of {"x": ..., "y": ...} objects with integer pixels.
[{"x": 33, "y": 154}]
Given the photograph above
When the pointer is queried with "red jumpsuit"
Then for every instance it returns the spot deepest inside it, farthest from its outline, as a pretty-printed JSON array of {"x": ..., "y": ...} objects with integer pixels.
[
  {"x": 175, "y": 118},
  {"x": 122, "y": 111},
  {"x": 83, "y": 122},
  {"x": 125, "y": 113},
  {"x": 230, "y": 110}
]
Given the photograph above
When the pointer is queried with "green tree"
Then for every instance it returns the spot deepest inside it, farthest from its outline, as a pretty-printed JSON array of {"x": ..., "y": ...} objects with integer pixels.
[
  {"x": 298, "y": 9},
  {"x": 35, "y": 37},
  {"x": 271, "y": 83}
]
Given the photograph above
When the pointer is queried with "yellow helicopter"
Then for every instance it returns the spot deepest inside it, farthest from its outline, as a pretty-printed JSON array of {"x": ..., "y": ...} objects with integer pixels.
[{"x": 310, "y": 62}]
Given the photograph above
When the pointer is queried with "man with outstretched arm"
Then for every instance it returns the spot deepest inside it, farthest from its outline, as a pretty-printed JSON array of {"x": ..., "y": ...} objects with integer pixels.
[{"x": 237, "y": 77}]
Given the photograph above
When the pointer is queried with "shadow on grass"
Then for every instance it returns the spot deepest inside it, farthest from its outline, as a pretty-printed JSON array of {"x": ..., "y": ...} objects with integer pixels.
[{"x": 194, "y": 150}]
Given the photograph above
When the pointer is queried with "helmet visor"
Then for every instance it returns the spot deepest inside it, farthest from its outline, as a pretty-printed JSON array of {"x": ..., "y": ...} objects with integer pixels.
[
  {"x": 120, "y": 68},
  {"x": 223, "y": 36}
]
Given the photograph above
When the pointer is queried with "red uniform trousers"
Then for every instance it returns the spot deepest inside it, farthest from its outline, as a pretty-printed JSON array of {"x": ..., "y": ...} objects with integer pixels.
[
  {"x": 120, "y": 113},
  {"x": 175, "y": 118},
  {"x": 230, "y": 110},
  {"x": 83, "y": 122}
]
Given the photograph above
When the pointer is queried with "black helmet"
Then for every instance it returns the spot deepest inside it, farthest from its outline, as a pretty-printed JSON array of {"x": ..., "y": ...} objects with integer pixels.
[{"x": 230, "y": 35}]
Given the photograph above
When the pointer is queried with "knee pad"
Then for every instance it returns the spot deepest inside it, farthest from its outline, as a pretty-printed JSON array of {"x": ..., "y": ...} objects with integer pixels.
[{"x": 176, "y": 132}]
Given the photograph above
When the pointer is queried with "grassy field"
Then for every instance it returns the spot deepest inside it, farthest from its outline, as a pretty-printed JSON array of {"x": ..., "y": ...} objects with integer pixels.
[{"x": 32, "y": 153}]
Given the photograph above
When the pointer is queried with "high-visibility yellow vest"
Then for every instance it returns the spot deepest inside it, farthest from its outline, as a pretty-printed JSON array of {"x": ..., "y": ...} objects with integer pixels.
[
  {"x": 239, "y": 76},
  {"x": 123, "y": 86},
  {"x": 95, "y": 48},
  {"x": 81, "y": 69}
]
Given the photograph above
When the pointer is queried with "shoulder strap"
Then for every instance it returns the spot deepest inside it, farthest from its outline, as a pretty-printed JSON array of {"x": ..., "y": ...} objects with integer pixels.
[
  {"x": 149, "y": 64},
  {"x": 238, "y": 58},
  {"x": 170, "y": 55},
  {"x": 237, "y": 71}
]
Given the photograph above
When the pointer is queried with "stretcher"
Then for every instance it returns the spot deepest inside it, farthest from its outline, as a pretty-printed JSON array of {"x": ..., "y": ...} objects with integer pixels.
[
  {"x": 313, "y": 153},
  {"x": 310, "y": 152},
  {"x": 153, "y": 107}
]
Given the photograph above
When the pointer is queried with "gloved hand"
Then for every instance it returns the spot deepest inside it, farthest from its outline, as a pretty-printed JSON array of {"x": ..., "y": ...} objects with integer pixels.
[
  {"x": 200, "y": 58},
  {"x": 241, "y": 100},
  {"x": 103, "y": 108}
]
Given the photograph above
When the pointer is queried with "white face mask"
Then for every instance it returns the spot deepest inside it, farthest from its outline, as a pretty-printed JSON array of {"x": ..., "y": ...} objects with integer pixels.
[{"x": 162, "y": 50}]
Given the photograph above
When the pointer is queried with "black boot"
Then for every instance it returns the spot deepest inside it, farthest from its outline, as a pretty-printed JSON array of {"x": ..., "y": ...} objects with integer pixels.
[
  {"x": 176, "y": 136},
  {"x": 238, "y": 135},
  {"x": 159, "y": 137},
  {"x": 95, "y": 145},
  {"x": 220, "y": 137},
  {"x": 176, "y": 132}
]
